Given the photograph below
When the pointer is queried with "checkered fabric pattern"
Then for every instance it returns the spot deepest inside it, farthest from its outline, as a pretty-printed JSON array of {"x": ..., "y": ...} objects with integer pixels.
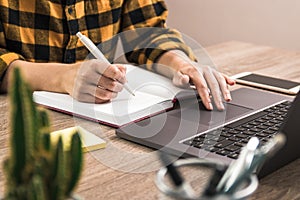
[{"x": 45, "y": 30}]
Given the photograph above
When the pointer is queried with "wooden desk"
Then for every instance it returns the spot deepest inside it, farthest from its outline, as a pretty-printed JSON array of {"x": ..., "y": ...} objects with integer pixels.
[{"x": 126, "y": 171}]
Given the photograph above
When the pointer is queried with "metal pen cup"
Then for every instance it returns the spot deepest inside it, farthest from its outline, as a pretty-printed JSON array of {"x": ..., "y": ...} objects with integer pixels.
[{"x": 186, "y": 191}]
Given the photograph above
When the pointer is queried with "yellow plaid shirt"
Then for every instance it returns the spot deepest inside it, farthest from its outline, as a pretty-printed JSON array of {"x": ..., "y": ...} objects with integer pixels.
[{"x": 45, "y": 30}]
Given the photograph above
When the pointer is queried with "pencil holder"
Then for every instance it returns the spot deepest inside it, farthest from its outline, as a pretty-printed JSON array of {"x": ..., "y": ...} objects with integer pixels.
[{"x": 185, "y": 191}]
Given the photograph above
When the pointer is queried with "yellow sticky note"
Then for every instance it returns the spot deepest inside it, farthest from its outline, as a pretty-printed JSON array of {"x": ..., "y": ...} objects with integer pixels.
[{"x": 90, "y": 142}]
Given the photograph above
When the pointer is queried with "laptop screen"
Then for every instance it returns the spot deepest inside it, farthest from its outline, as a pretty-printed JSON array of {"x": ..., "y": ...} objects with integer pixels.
[{"x": 291, "y": 124}]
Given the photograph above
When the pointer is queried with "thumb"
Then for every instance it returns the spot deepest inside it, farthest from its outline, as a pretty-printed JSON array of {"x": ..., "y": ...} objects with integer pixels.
[{"x": 180, "y": 80}]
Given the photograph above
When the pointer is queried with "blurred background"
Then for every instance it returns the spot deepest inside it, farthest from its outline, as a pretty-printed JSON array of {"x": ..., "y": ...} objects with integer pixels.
[{"x": 266, "y": 22}]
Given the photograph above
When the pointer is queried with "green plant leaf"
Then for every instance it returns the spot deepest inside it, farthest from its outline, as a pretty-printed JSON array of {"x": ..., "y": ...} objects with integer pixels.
[{"x": 75, "y": 160}]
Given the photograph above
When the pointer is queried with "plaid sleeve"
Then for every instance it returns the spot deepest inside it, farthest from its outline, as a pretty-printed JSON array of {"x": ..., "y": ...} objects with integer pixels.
[
  {"x": 145, "y": 36},
  {"x": 6, "y": 57}
]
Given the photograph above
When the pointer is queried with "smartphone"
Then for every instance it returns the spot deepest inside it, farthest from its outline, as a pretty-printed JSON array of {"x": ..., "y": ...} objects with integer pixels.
[{"x": 267, "y": 82}]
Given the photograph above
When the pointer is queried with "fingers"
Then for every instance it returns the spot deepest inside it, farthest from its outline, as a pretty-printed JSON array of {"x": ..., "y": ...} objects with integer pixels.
[
  {"x": 101, "y": 95},
  {"x": 229, "y": 80},
  {"x": 204, "y": 93},
  {"x": 95, "y": 95},
  {"x": 218, "y": 84},
  {"x": 202, "y": 88},
  {"x": 209, "y": 83},
  {"x": 215, "y": 84},
  {"x": 116, "y": 72},
  {"x": 98, "y": 82},
  {"x": 109, "y": 84},
  {"x": 223, "y": 85}
]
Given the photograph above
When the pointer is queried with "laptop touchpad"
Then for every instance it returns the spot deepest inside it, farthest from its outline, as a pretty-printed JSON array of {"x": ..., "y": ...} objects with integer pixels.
[{"x": 197, "y": 113}]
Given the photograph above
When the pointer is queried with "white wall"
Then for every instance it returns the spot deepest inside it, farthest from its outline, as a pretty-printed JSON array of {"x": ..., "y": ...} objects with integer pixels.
[{"x": 268, "y": 22}]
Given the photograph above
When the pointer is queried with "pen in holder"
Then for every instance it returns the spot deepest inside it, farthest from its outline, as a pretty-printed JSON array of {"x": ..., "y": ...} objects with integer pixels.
[
  {"x": 185, "y": 191},
  {"x": 237, "y": 181}
]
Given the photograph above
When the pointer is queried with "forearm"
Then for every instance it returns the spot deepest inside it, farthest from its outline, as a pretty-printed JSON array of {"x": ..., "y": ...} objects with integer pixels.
[
  {"x": 92, "y": 81},
  {"x": 41, "y": 76}
]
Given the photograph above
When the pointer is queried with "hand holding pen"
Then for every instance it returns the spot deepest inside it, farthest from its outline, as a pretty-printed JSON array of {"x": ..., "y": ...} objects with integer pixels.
[{"x": 98, "y": 54}]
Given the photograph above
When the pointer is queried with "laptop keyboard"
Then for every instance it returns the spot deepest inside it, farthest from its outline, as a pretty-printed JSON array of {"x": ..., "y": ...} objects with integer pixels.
[{"x": 228, "y": 140}]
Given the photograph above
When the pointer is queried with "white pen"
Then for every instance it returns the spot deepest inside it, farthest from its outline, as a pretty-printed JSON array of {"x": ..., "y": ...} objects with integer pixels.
[
  {"x": 243, "y": 163},
  {"x": 97, "y": 53},
  {"x": 237, "y": 167}
]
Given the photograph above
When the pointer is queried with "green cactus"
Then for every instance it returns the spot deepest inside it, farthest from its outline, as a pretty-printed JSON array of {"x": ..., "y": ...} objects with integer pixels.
[{"x": 37, "y": 168}]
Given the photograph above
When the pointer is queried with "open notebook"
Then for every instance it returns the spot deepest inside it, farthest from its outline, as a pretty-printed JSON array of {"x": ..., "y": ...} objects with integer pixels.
[{"x": 153, "y": 94}]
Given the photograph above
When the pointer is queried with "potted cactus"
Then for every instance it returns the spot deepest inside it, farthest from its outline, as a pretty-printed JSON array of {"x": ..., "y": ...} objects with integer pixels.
[{"x": 37, "y": 167}]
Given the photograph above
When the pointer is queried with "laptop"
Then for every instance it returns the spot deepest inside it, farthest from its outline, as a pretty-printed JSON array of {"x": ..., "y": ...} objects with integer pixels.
[{"x": 191, "y": 130}]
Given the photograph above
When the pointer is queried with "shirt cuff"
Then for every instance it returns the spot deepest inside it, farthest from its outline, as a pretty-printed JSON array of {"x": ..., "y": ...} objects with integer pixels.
[
  {"x": 151, "y": 56},
  {"x": 5, "y": 60}
]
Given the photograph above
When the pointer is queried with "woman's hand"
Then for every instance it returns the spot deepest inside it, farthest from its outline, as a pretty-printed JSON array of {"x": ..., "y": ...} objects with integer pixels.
[
  {"x": 208, "y": 82},
  {"x": 95, "y": 81}
]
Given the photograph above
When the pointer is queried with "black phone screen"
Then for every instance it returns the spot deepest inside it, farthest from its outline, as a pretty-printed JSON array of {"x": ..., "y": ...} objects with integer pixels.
[{"x": 280, "y": 83}]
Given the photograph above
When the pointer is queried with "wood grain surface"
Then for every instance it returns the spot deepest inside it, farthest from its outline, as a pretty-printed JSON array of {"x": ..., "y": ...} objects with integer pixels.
[{"x": 125, "y": 170}]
